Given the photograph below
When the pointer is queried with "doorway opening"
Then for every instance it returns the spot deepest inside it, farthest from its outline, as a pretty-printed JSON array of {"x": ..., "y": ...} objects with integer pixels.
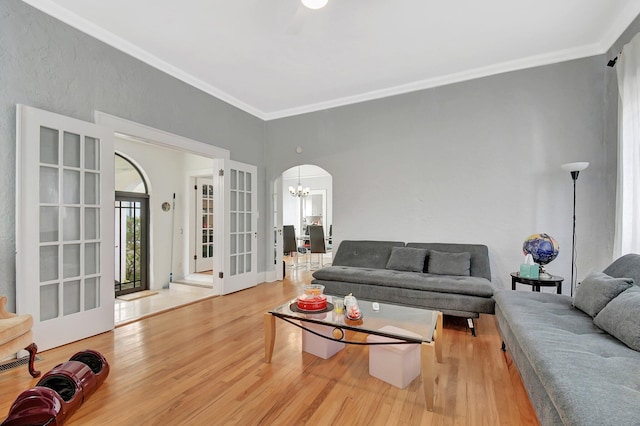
[{"x": 307, "y": 201}]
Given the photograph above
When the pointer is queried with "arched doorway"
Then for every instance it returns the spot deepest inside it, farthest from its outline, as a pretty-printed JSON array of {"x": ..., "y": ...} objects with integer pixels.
[
  {"x": 306, "y": 200},
  {"x": 131, "y": 228}
]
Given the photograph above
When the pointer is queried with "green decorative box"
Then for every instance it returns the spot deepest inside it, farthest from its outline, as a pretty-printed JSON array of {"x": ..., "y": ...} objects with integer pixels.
[{"x": 530, "y": 271}]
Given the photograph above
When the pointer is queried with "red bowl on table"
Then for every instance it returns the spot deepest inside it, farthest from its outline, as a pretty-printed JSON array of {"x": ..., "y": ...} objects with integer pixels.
[{"x": 312, "y": 302}]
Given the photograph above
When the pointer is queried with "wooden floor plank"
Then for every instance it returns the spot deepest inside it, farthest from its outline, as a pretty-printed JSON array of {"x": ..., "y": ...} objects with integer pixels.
[{"x": 204, "y": 364}]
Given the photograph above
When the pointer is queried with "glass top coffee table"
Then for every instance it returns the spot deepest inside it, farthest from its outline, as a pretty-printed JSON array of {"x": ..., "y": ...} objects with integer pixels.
[{"x": 422, "y": 327}]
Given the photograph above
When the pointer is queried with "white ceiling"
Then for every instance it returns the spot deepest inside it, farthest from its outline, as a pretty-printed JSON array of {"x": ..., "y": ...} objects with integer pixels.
[{"x": 275, "y": 58}]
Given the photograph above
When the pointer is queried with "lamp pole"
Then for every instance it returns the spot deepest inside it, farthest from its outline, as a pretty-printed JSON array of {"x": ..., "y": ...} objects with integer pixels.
[
  {"x": 574, "y": 176},
  {"x": 574, "y": 169}
]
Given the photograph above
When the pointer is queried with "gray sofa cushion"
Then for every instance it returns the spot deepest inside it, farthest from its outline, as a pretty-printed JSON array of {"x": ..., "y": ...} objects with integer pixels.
[
  {"x": 443, "y": 263},
  {"x": 472, "y": 286},
  {"x": 480, "y": 266},
  {"x": 621, "y": 318},
  {"x": 365, "y": 254},
  {"x": 407, "y": 259},
  {"x": 598, "y": 289},
  {"x": 625, "y": 266}
]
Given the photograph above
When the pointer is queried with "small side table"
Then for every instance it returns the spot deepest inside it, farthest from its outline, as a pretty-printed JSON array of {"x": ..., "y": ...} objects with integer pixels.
[{"x": 536, "y": 283}]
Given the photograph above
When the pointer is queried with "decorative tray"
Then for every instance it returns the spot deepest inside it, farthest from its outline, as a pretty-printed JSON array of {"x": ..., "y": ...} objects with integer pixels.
[{"x": 294, "y": 308}]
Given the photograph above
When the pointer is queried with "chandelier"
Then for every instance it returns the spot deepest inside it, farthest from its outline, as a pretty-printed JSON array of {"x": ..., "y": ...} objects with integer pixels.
[{"x": 299, "y": 191}]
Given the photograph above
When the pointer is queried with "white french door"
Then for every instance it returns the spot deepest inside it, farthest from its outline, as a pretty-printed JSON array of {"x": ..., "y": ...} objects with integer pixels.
[
  {"x": 204, "y": 225},
  {"x": 241, "y": 233},
  {"x": 64, "y": 226}
]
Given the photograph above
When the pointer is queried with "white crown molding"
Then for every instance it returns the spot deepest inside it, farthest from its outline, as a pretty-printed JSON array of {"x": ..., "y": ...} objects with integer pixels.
[
  {"x": 87, "y": 27},
  {"x": 520, "y": 64}
]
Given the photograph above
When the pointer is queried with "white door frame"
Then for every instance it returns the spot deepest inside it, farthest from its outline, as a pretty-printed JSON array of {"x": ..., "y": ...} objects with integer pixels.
[
  {"x": 169, "y": 140},
  {"x": 277, "y": 226}
]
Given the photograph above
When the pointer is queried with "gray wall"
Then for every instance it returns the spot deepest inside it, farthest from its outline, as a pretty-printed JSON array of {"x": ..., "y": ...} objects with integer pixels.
[
  {"x": 474, "y": 162},
  {"x": 49, "y": 65}
]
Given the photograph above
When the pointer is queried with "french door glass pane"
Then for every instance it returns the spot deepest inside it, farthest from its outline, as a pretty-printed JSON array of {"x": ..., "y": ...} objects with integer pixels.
[
  {"x": 234, "y": 180},
  {"x": 71, "y": 297},
  {"x": 91, "y": 293},
  {"x": 71, "y": 260},
  {"x": 71, "y": 223},
  {"x": 91, "y": 188},
  {"x": 71, "y": 149},
  {"x": 48, "y": 185},
  {"x": 234, "y": 201},
  {"x": 91, "y": 153},
  {"x": 48, "y": 224},
  {"x": 49, "y": 302},
  {"x": 248, "y": 262},
  {"x": 241, "y": 181},
  {"x": 91, "y": 258},
  {"x": 241, "y": 264},
  {"x": 91, "y": 223},
  {"x": 233, "y": 249},
  {"x": 48, "y": 146},
  {"x": 71, "y": 188},
  {"x": 48, "y": 263},
  {"x": 232, "y": 265}
]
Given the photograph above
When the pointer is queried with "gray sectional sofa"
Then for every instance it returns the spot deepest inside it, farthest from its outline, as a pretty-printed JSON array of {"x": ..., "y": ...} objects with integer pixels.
[
  {"x": 452, "y": 278},
  {"x": 579, "y": 359}
]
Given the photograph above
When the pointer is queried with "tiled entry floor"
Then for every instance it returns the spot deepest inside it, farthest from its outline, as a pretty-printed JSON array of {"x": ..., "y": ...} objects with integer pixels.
[{"x": 166, "y": 299}]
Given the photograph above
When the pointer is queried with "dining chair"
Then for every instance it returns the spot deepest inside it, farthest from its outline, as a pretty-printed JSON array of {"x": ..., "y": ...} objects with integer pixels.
[
  {"x": 316, "y": 242},
  {"x": 290, "y": 244}
]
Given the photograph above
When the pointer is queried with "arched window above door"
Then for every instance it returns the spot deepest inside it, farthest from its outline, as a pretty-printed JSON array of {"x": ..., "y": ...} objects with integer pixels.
[{"x": 128, "y": 177}]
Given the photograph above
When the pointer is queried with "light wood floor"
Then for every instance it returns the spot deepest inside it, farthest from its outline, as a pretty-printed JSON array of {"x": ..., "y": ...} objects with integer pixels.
[{"x": 203, "y": 365}]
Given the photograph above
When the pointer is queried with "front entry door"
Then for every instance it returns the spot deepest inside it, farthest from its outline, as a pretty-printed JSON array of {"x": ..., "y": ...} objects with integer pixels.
[
  {"x": 131, "y": 254},
  {"x": 64, "y": 226}
]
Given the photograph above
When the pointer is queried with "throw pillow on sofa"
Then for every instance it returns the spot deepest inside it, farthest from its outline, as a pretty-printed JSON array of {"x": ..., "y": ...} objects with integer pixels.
[
  {"x": 598, "y": 289},
  {"x": 621, "y": 318},
  {"x": 443, "y": 263},
  {"x": 407, "y": 259}
]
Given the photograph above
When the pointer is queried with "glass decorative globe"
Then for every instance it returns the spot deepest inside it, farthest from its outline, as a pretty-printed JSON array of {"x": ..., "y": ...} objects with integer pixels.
[{"x": 542, "y": 247}]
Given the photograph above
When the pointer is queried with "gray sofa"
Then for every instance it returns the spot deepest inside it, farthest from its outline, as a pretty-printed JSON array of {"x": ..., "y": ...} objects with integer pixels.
[
  {"x": 395, "y": 272},
  {"x": 574, "y": 370}
]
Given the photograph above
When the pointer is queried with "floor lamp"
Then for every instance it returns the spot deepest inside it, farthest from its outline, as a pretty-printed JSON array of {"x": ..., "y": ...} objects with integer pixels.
[{"x": 574, "y": 169}]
